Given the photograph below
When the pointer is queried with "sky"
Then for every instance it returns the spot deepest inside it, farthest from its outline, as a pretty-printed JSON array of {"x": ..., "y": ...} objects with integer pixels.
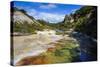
[{"x": 50, "y": 12}]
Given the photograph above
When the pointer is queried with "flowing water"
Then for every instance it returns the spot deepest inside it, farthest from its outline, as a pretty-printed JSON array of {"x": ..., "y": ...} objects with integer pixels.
[
  {"x": 34, "y": 45},
  {"x": 88, "y": 47}
]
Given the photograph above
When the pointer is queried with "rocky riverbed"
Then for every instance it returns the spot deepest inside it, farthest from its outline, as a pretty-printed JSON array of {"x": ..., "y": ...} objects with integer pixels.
[
  {"x": 54, "y": 48},
  {"x": 32, "y": 45}
]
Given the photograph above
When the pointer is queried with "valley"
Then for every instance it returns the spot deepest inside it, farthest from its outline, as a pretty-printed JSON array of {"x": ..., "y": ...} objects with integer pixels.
[{"x": 36, "y": 41}]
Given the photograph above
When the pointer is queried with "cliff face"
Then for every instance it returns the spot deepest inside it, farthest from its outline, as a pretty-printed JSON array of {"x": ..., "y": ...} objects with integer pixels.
[{"x": 20, "y": 17}]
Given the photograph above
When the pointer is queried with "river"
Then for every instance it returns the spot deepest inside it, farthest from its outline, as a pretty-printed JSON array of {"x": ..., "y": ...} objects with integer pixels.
[
  {"x": 88, "y": 47},
  {"x": 34, "y": 45}
]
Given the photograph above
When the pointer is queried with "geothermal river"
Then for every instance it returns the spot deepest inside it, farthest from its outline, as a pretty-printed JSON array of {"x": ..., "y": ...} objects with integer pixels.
[{"x": 33, "y": 45}]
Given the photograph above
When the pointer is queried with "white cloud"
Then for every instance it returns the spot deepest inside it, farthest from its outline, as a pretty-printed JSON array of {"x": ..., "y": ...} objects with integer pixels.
[
  {"x": 49, "y": 6},
  {"x": 32, "y": 12},
  {"x": 49, "y": 17}
]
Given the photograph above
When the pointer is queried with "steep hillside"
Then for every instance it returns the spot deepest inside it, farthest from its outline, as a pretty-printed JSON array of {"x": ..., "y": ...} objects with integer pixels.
[
  {"x": 87, "y": 21},
  {"x": 23, "y": 23},
  {"x": 83, "y": 20}
]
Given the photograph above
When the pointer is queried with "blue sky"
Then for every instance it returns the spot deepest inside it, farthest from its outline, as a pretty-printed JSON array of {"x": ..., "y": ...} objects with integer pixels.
[{"x": 51, "y": 12}]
